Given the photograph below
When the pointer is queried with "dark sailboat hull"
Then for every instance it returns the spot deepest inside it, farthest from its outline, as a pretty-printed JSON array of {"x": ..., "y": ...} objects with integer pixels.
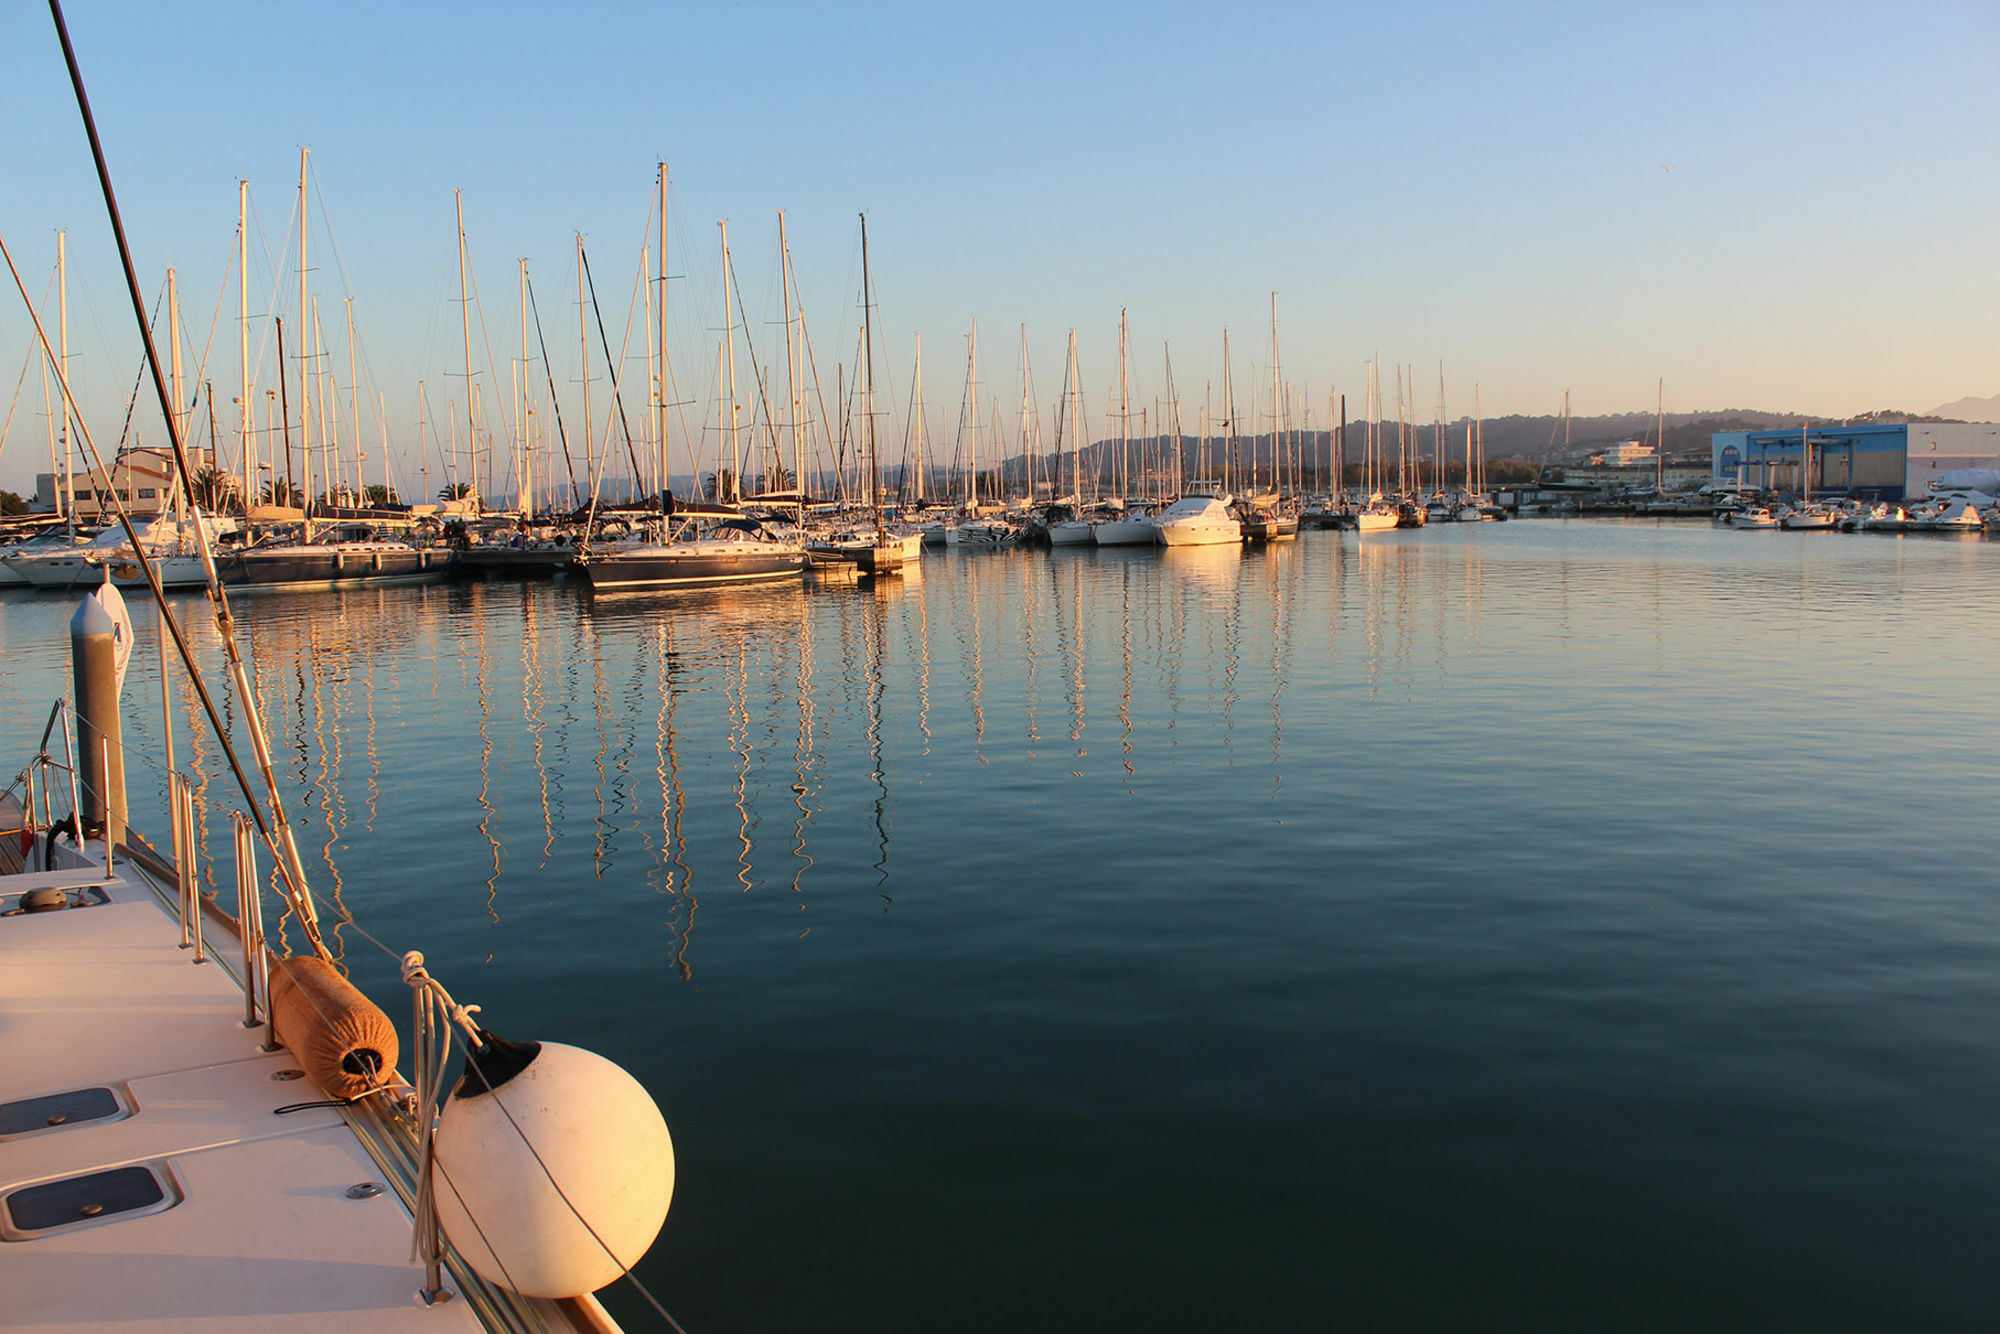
[
  {"x": 330, "y": 566},
  {"x": 666, "y": 566}
]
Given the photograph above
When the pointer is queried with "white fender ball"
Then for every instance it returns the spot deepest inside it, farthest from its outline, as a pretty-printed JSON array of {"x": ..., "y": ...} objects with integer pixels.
[{"x": 595, "y": 1131}]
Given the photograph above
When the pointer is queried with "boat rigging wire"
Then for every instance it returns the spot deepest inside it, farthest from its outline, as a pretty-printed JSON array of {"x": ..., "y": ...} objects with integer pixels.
[
  {"x": 617, "y": 396},
  {"x": 275, "y": 830},
  {"x": 575, "y": 491}
]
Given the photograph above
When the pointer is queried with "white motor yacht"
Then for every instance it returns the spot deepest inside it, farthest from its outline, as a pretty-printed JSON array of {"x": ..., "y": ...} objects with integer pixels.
[{"x": 1202, "y": 518}]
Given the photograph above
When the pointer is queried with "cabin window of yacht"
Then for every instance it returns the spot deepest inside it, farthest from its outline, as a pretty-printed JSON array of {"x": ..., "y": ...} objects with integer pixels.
[{"x": 147, "y": 493}]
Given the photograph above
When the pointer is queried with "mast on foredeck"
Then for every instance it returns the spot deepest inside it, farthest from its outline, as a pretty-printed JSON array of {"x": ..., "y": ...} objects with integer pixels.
[
  {"x": 660, "y": 376},
  {"x": 729, "y": 357},
  {"x": 465, "y": 334},
  {"x": 305, "y": 378},
  {"x": 62, "y": 371},
  {"x": 243, "y": 343},
  {"x": 792, "y": 366}
]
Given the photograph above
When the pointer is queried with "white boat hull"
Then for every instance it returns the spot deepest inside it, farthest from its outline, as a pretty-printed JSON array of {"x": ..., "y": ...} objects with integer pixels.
[
  {"x": 1126, "y": 533},
  {"x": 1205, "y": 534}
]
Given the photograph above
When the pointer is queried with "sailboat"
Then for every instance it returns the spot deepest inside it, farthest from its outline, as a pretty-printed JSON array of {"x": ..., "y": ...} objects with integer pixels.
[
  {"x": 1076, "y": 530},
  {"x": 887, "y": 552},
  {"x": 1131, "y": 526},
  {"x": 1376, "y": 513},
  {"x": 1272, "y": 518},
  {"x": 700, "y": 544}
]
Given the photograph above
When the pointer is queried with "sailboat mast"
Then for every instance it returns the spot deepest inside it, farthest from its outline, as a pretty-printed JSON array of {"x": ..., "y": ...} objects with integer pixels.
[
  {"x": 62, "y": 369},
  {"x": 520, "y": 410},
  {"x": 1207, "y": 423},
  {"x": 1229, "y": 411},
  {"x": 1124, "y": 412},
  {"x": 583, "y": 342},
  {"x": 868, "y": 366},
  {"x": 1340, "y": 448},
  {"x": 972, "y": 398},
  {"x": 1277, "y": 410},
  {"x": 465, "y": 337},
  {"x": 1479, "y": 421},
  {"x": 1076, "y": 425},
  {"x": 309, "y": 348},
  {"x": 305, "y": 379},
  {"x": 920, "y": 420},
  {"x": 354, "y": 409},
  {"x": 792, "y": 355},
  {"x": 1026, "y": 422},
  {"x": 729, "y": 356},
  {"x": 1660, "y": 436},
  {"x": 174, "y": 357},
  {"x": 660, "y": 379},
  {"x": 243, "y": 341}
]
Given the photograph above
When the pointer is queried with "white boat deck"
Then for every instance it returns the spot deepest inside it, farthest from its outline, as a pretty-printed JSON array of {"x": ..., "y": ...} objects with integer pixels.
[{"x": 257, "y": 1230}]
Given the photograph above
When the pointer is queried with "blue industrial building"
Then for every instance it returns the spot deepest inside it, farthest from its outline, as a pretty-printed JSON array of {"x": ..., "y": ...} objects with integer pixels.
[{"x": 1894, "y": 462}]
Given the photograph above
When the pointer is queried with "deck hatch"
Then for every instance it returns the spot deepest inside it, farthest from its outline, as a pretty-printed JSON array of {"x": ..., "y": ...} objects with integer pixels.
[
  {"x": 94, "y": 1198},
  {"x": 68, "y": 1108}
]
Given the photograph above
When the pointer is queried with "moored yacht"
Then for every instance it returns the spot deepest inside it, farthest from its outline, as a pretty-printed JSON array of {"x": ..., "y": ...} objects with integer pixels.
[
  {"x": 171, "y": 543},
  {"x": 1201, "y": 518},
  {"x": 1134, "y": 526},
  {"x": 692, "y": 550}
]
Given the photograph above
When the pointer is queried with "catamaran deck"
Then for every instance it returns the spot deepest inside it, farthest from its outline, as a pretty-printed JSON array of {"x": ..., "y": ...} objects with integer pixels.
[{"x": 264, "y": 1219}]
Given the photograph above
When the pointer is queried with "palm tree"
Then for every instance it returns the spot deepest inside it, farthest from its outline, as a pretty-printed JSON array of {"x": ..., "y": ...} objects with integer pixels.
[
  {"x": 454, "y": 491},
  {"x": 281, "y": 492},
  {"x": 379, "y": 494},
  {"x": 215, "y": 490}
]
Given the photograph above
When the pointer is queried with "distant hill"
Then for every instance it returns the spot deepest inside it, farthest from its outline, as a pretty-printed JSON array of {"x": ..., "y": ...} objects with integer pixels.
[{"x": 1970, "y": 410}]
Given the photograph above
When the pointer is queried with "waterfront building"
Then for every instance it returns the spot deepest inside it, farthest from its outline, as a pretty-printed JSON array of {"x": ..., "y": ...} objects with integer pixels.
[
  {"x": 1624, "y": 454},
  {"x": 143, "y": 479},
  {"x": 1889, "y": 462},
  {"x": 1680, "y": 474}
]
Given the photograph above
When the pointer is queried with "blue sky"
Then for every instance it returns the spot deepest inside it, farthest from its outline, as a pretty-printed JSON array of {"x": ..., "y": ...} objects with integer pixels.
[{"x": 1484, "y": 185}]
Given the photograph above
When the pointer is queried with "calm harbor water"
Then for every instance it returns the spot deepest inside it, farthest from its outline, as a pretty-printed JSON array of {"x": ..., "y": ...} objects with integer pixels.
[{"x": 1552, "y": 925}]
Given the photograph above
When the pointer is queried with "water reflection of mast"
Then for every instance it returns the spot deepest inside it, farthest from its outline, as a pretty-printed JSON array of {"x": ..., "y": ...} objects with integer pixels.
[
  {"x": 326, "y": 697},
  {"x": 736, "y": 689},
  {"x": 673, "y": 800},
  {"x": 368, "y": 669},
  {"x": 1175, "y": 625},
  {"x": 1232, "y": 649},
  {"x": 1373, "y": 561},
  {"x": 1280, "y": 603},
  {"x": 257, "y": 687},
  {"x": 1125, "y": 650},
  {"x": 805, "y": 782},
  {"x": 924, "y": 670},
  {"x": 198, "y": 751},
  {"x": 532, "y": 704},
  {"x": 1030, "y": 621},
  {"x": 595, "y": 656},
  {"x": 978, "y": 664},
  {"x": 1072, "y": 634},
  {"x": 477, "y": 595},
  {"x": 877, "y": 630}
]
